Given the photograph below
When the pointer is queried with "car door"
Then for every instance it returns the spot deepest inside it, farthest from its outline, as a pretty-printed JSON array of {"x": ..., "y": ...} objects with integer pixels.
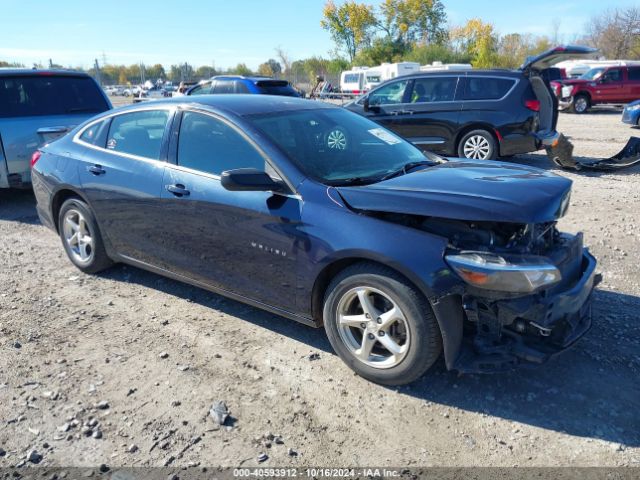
[
  {"x": 610, "y": 87},
  {"x": 121, "y": 175},
  {"x": 242, "y": 242},
  {"x": 386, "y": 104},
  {"x": 430, "y": 118},
  {"x": 633, "y": 84}
]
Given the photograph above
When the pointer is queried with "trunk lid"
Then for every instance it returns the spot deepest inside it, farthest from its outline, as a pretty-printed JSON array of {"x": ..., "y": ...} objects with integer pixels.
[
  {"x": 468, "y": 190},
  {"x": 555, "y": 55}
]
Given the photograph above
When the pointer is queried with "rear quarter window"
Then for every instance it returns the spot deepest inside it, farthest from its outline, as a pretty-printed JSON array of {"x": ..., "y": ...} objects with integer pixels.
[
  {"x": 487, "y": 88},
  {"x": 38, "y": 95},
  {"x": 634, "y": 74}
]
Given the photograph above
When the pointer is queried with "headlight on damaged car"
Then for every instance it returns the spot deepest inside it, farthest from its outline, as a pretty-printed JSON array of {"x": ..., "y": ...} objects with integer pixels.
[
  {"x": 566, "y": 91},
  {"x": 632, "y": 108},
  {"x": 524, "y": 274}
]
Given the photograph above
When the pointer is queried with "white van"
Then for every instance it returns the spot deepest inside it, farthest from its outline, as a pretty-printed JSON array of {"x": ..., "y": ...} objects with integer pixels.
[{"x": 354, "y": 80}]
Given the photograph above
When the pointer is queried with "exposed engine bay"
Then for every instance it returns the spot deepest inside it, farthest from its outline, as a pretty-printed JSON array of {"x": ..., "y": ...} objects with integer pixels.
[{"x": 514, "y": 319}]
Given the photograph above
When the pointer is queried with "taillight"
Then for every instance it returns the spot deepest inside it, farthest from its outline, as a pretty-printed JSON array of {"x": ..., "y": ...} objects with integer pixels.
[
  {"x": 35, "y": 157},
  {"x": 532, "y": 105}
]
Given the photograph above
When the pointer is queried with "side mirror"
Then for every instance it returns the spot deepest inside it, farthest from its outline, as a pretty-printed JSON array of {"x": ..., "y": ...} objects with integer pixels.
[{"x": 249, "y": 180}]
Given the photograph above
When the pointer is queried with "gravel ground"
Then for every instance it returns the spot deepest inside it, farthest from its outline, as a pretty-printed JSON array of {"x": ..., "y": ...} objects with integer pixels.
[{"x": 122, "y": 368}]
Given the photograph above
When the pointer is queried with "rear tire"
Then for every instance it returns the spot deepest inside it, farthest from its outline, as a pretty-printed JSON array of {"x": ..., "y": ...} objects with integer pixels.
[
  {"x": 478, "y": 145},
  {"x": 81, "y": 237},
  {"x": 580, "y": 104},
  {"x": 380, "y": 325}
]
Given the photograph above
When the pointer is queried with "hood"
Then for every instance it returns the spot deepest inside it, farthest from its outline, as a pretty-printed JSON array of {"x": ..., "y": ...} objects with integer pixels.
[
  {"x": 575, "y": 81},
  {"x": 557, "y": 54},
  {"x": 468, "y": 190}
]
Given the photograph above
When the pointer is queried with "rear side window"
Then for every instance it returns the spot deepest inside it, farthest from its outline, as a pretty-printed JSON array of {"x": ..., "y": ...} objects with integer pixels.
[
  {"x": 37, "y": 95},
  {"x": 96, "y": 134},
  {"x": 487, "y": 88},
  {"x": 138, "y": 133},
  {"x": 634, "y": 74},
  {"x": 276, "y": 87},
  {"x": 434, "y": 89},
  {"x": 209, "y": 145}
]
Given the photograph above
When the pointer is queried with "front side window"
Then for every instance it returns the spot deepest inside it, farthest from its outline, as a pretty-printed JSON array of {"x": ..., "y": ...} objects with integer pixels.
[
  {"x": 634, "y": 74},
  {"x": 138, "y": 133},
  {"x": 209, "y": 145},
  {"x": 224, "y": 86},
  {"x": 434, "y": 89},
  {"x": 487, "y": 88},
  {"x": 389, "y": 94},
  {"x": 202, "y": 89}
]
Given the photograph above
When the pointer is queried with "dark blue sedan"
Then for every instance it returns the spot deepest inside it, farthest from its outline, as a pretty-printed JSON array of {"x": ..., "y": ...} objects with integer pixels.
[{"x": 315, "y": 213}]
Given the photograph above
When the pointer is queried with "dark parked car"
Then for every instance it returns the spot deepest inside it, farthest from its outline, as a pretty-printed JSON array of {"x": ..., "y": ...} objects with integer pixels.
[
  {"x": 36, "y": 107},
  {"x": 239, "y": 84},
  {"x": 478, "y": 114},
  {"x": 315, "y": 213}
]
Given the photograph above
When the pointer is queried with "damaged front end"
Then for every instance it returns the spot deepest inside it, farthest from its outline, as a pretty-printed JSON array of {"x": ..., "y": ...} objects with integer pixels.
[
  {"x": 525, "y": 290},
  {"x": 524, "y": 300}
]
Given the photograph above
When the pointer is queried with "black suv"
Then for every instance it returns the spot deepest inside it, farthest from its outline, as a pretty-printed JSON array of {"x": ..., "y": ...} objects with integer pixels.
[{"x": 479, "y": 114}]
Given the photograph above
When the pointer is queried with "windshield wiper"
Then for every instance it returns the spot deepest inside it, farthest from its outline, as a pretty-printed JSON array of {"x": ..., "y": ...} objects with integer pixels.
[
  {"x": 406, "y": 168},
  {"x": 353, "y": 181}
]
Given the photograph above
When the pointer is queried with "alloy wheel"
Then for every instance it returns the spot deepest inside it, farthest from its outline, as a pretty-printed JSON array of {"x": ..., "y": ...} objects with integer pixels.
[
  {"x": 373, "y": 327},
  {"x": 580, "y": 104},
  {"x": 77, "y": 236},
  {"x": 477, "y": 147}
]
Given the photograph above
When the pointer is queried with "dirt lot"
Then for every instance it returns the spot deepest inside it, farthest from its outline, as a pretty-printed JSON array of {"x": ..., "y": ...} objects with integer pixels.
[{"x": 158, "y": 353}]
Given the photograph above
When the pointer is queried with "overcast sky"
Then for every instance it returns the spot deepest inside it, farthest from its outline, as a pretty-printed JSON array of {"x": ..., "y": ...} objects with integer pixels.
[{"x": 226, "y": 32}]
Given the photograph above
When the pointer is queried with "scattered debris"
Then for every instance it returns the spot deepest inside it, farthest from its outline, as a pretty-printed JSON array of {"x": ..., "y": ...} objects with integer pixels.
[
  {"x": 102, "y": 405},
  {"x": 314, "y": 356},
  {"x": 219, "y": 412},
  {"x": 263, "y": 457},
  {"x": 34, "y": 457},
  {"x": 163, "y": 355},
  {"x": 133, "y": 448},
  {"x": 292, "y": 453}
]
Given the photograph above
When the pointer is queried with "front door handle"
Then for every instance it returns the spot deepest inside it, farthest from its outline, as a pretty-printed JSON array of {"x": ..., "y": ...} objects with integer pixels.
[
  {"x": 96, "y": 170},
  {"x": 50, "y": 130},
  {"x": 178, "y": 190}
]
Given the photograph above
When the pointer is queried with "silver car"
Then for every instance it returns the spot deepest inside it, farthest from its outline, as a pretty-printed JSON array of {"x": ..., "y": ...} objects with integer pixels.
[{"x": 37, "y": 107}]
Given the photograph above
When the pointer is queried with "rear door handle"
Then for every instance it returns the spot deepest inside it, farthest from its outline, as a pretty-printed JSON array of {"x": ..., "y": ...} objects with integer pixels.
[
  {"x": 49, "y": 130},
  {"x": 178, "y": 190},
  {"x": 96, "y": 170}
]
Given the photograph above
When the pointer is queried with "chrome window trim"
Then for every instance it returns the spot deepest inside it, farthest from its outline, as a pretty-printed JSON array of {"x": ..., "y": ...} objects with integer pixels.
[{"x": 515, "y": 81}]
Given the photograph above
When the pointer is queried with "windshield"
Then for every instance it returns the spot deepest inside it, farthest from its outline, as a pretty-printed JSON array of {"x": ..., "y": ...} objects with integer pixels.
[
  {"x": 338, "y": 147},
  {"x": 592, "y": 74}
]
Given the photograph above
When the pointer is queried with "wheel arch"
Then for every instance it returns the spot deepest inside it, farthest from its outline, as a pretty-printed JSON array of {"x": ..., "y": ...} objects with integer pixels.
[
  {"x": 447, "y": 310},
  {"x": 59, "y": 197}
]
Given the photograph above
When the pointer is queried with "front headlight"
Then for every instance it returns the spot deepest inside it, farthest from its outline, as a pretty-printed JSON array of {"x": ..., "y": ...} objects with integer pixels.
[
  {"x": 566, "y": 91},
  {"x": 522, "y": 274},
  {"x": 633, "y": 108}
]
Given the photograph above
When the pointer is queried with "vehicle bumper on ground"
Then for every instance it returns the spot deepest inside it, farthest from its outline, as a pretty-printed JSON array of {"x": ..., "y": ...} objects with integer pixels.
[
  {"x": 564, "y": 103},
  {"x": 526, "y": 330}
]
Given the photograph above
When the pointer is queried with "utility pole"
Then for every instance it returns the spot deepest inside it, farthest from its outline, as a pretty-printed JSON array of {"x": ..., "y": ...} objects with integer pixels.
[
  {"x": 50, "y": 64},
  {"x": 98, "y": 76}
]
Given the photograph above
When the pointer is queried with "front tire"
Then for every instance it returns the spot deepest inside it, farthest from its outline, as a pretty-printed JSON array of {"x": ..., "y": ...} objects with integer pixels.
[
  {"x": 380, "y": 325},
  {"x": 81, "y": 237},
  {"x": 580, "y": 104},
  {"x": 478, "y": 145}
]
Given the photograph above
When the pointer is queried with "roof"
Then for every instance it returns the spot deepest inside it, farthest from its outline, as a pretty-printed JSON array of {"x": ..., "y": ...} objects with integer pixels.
[
  {"x": 242, "y": 104},
  {"x": 253, "y": 78},
  {"x": 5, "y": 72}
]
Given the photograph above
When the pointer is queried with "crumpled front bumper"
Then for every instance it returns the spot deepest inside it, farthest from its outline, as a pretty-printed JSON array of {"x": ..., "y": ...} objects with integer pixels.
[{"x": 527, "y": 330}]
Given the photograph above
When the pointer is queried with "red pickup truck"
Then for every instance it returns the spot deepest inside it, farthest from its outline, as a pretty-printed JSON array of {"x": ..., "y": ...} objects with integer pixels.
[{"x": 617, "y": 84}]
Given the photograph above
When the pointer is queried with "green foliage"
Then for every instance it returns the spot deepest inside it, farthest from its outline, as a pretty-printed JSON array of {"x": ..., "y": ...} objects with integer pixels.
[
  {"x": 413, "y": 21},
  {"x": 350, "y": 25},
  {"x": 241, "y": 69},
  {"x": 427, "y": 54},
  {"x": 382, "y": 50}
]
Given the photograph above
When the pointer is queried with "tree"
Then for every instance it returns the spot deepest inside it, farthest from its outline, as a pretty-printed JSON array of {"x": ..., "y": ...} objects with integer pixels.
[
  {"x": 381, "y": 50},
  {"x": 156, "y": 72},
  {"x": 616, "y": 33},
  {"x": 285, "y": 60},
  {"x": 479, "y": 41},
  {"x": 427, "y": 54},
  {"x": 205, "y": 71},
  {"x": 276, "y": 68},
  {"x": 350, "y": 25},
  {"x": 410, "y": 21},
  {"x": 513, "y": 48},
  {"x": 242, "y": 69},
  {"x": 265, "y": 70}
]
